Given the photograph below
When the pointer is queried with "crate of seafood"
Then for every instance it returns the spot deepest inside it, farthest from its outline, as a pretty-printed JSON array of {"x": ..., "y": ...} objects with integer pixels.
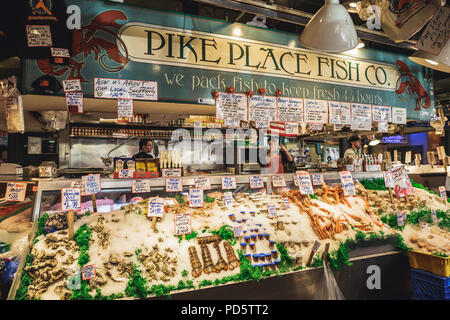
[
  {"x": 428, "y": 262},
  {"x": 428, "y": 286}
]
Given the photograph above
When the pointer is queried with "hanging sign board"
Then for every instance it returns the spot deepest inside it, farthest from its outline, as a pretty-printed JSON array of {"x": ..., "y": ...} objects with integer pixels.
[
  {"x": 291, "y": 128},
  {"x": 15, "y": 191},
  {"x": 304, "y": 182},
  {"x": 203, "y": 183},
  {"x": 125, "y": 108},
  {"x": 381, "y": 114},
  {"x": 347, "y": 183},
  {"x": 290, "y": 109},
  {"x": 361, "y": 117},
  {"x": 71, "y": 85},
  {"x": 436, "y": 34},
  {"x": 92, "y": 183},
  {"x": 39, "y": 36},
  {"x": 74, "y": 102},
  {"x": 231, "y": 106},
  {"x": 155, "y": 207},
  {"x": 195, "y": 198},
  {"x": 399, "y": 115},
  {"x": 340, "y": 113},
  {"x": 182, "y": 224},
  {"x": 228, "y": 183},
  {"x": 315, "y": 111},
  {"x": 127, "y": 89},
  {"x": 70, "y": 199},
  {"x": 262, "y": 108},
  {"x": 140, "y": 186},
  {"x": 383, "y": 127}
]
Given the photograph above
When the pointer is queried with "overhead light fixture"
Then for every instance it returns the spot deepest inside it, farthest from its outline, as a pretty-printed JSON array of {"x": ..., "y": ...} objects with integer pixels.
[
  {"x": 237, "y": 32},
  {"x": 350, "y": 6},
  {"x": 360, "y": 45},
  {"x": 374, "y": 142},
  {"x": 331, "y": 29},
  {"x": 440, "y": 62}
]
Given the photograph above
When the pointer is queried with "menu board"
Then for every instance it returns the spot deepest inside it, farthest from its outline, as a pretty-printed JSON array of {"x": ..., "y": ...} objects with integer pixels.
[
  {"x": 125, "y": 108},
  {"x": 231, "y": 106},
  {"x": 304, "y": 182},
  {"x": 174, "y": 185},
  {"x": 39, "y": 36},
  {"x": 155, "y": 207},
  {"x": 400, "y": 182},
  {"x": 74, "y": 102},
  {"x": 317, "y": 179},
  {"x": 70, "y": 199},
  {"x": 340, "y": 112},
  {"x": 15, "y": 191},
  {"x": 92, "y": 183},
  {"x": 203, "y": 183},
  {"x": 140, "y": 186},
  {"x": 128, "y": 89},
  {"x": 436, "y": 34},
  {"x": 381, "y": 114},
  {"x": 278, "y": 181},
  {"x": 256, "y": 182},
  {"x": 290, "y": 109},
  {"x": 228, "y": 183},
  {"x": 71, "y": 85},
  {"x": 361, "y": 117},
  {"x": 182, "y": 224},
  {"x": 347, "y": 183},
  {"x": 315, "y": 111},
  {"x": 262, "y": 108},
  {"x": 195, "y": 198},
  {"x": 399, "y": 115}
]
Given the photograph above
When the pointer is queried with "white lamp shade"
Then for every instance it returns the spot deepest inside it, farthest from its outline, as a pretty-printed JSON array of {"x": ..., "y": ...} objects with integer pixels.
[
  {"x": 440, "y": 62},
  {"x": 331, "y": 29}
]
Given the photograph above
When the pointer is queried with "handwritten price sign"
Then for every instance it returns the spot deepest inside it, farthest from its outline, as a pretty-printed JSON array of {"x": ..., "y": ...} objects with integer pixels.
[
  {"x": 170, "y": 172},
  {"x": 388, "y": 180},
  {"x": 317, "y": 179},
  {"x": 347, "y": 183},
  {"x": 155, "y": 207},
  {"x": 400, "y": 182},
  {"x": 70, "y": 199},
  {"x": 228, "y": 197},
  {"x": 443, "y": 193},
  {"x": 174, "y": 185},
  {"x": 126, "y": 174},
  {"x": 195, "y": 198},
  {"x": 182, "y": 224},
  {"x": 237, "y": 232},
  {"x": 278, "y": 181},
  {"x": 228, "y": 183},
  {"x": 140, "y": 186},
  {"x": 401, "y": 217},
  {"x": 304, "y": 183},
  {"x": 256, "y": 182},
  {"x": 88, "y": 272},
  {"x": 92, "y": 183},
  {"x": 125, "y": 108},
  {"x": 72, "y": 85},
  {"x": 203, "y": 183},
  {"x": 272, "y": 211},
  {"x": 15, "y": 191}
]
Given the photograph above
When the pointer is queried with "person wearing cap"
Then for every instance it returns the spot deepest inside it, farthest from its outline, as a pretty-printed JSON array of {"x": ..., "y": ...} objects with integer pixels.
[
  {"x": 354, "y": 152},
  {"x": 145, "y": 149}
]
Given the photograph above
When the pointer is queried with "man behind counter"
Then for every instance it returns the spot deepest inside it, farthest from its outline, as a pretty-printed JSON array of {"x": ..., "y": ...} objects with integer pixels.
[
  {"x": 145, "y": 149},
  {"x": 354, "y": 152}
]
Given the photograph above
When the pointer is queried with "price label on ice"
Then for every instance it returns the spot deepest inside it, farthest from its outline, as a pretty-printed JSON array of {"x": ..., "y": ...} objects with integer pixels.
[
  {"x": 237, "y": 231},
  {"x": 88, "y": 272},
  {"x": 174, "y": 185},
  {"x": 182, "y": 224},
  {"x": 203, "y": 183},
  {"x": 347, "y": 183},
  {"x": 15, "y": 191},
  {"x": 278, "y": 181},
  {"x": 80, "y": 185},
  {"x": 443, "y": 193},
  {"x": 228, "y": 197},
  {"x": 92, "y": 183},
  {"x": 304, "y": 182},
  {"x": 171, "y": 172},
  {"x": 228, "y": 183},
  {"x": 387, "y": 179},
  {"x": 401, "y": 216},
  {"x": 70, "y": 199},
  {"x": 434, "y": 217},
  {"x": 195, "y": 198},
  {"x": 126, "y": 174},
  {"x": 140, "y": 186},
  {"x": 317, "y": 179},
  {"x": 272, "y": 211},
  {"x": 256, "y": 182},
  {"x": 155, "y": 207},
  {"x": 286, "y": 203}
]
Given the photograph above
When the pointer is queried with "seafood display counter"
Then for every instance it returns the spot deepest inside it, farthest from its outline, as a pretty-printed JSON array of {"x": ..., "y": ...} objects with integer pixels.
[{"x": 236, "y": 239}]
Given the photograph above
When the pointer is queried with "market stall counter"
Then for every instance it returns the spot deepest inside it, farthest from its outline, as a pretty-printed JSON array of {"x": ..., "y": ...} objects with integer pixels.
[{"x": 219, "y": 233}]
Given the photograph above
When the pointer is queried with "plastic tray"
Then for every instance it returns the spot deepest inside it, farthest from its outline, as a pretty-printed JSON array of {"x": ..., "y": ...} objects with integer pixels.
[
  {"x": 438, "y": 265},
  {"x": 428, "y": 286}
]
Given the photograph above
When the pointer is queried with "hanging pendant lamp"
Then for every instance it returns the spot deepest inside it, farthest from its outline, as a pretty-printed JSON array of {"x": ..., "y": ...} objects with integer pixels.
[
  {"x": 440, "y": 62},
  {"x": 331, "y": 29}
]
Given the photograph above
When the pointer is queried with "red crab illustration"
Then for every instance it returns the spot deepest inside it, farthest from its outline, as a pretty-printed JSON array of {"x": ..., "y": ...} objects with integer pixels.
[
  {"x": 85, "y": 42},
  {"x": 410, "y": 82}
]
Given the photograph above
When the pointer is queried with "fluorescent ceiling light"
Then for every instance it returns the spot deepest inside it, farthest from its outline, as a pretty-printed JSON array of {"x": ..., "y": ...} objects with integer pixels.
[{"x": 331, "y": 29}]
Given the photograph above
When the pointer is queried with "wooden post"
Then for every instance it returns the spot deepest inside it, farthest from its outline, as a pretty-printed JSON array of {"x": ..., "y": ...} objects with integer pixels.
[
  {"x": 395, "y": 156},
  {"x": 390, "y": 195},
  {"x": 183, "y": 237},
  {"x": 94, "y": 202},
  {"x": 408, "y": 157},
  {"x": 154, "y": 223},
  {"x": 325, "y": 252},
  {"x": 314, "y": 249},
  {"x": 91, "y": 284},
  {"x": 70, "y": 224}
]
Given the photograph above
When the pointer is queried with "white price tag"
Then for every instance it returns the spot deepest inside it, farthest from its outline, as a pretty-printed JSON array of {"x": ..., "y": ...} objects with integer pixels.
[
  {"x": 317, "y": 179},
  {"x": 15, "y": 191},
  {"x": 155, "y": 207},
  {"x": 140, "y": 186},
  {"x": 39, "y": 36},
  {"x": 126, "y": 174},
  {"x": 72, "y": 85},
  {"x": 347, "y": 183},
  {"x": 74, "y": 102},
  {"x": 70, "y": 199},
  {"x": 88, "y": 272},
  {"x": 237, "y": 231},
  {"x": 286, "y": 203},
  {"x": 203, "y": 183},
  {"x": 272, "y": 211},
  {"x": 166, "y": 173},
  {"x": 256, "y": 182},
  {"x": 387, "y": 179},
  {"x": 174, "y": 185},
  {"x": 443, "y": 193},
  {"x": 228, "y": 183},
  {"x": 195, "y": 198},
  {"x": 228, "y": 197},
  {"x": 304, "y": 182},
  {"x": 182, "y": 224},
  {"x": 278, "y": 181},
  {"x": 92, "y": 183},
  {"x": 125, "y": 108}
]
